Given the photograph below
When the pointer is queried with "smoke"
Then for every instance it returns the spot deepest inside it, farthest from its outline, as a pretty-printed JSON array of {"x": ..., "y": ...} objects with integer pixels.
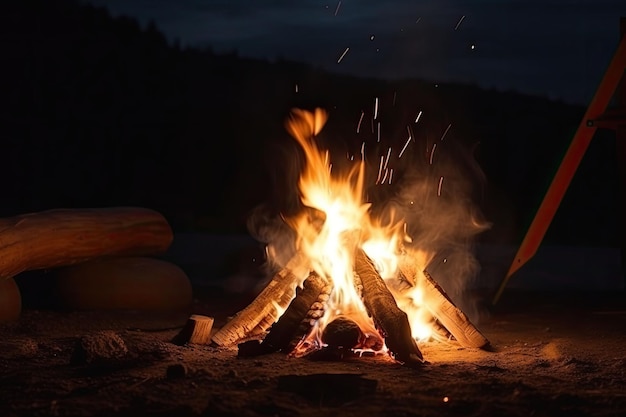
[
  {"x": 438, "y": 199},
  {"x": 434, "y": 192}
]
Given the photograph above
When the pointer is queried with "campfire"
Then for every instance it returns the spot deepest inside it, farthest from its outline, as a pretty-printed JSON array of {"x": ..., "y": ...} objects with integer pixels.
[{"x": 354, "y": 282}]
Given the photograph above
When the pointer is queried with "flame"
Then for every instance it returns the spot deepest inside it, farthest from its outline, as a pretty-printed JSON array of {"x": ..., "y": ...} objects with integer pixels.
[{"x": 337, "y": 221}]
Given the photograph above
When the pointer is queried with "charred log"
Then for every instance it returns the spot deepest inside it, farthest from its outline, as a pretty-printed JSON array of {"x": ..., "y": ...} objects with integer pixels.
[
  {"x": 288, "y": 327},
  {"x": 342, "y": 333},
  {"x": 391, "y": 321}
]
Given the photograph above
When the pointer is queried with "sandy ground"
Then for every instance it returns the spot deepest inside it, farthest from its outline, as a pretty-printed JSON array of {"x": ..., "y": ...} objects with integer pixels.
[{"x": 552, "y": 354}]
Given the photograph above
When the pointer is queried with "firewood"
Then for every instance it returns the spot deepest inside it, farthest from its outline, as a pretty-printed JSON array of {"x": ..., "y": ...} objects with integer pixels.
[
  {"x": 64, "y": 237},
  {"x": 288, "y": 326},
  {"x": 316, "y": 311},
  {"x": 342, "y": 332},
  {"x": 262, "y": 312},
  {"x": 442, "y": 308},
  {"x": 450, "y": 316},
  {"x": 197, "y": 330},
  {"x": 388, "y": 317}
]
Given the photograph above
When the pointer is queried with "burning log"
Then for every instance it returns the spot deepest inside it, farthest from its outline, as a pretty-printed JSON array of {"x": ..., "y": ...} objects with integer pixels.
[
  {"x": 67, "y": 236},
  {"x": 442, "y": 308},
  {"x": 388, "y": 317},
  {"x": 197, "y": 330},
  {"x": 342, "y": 333},
  {"x": 259, "y": 315},
  {"x": 289, "y": 327},
  {"x": 448, "y": 314}
]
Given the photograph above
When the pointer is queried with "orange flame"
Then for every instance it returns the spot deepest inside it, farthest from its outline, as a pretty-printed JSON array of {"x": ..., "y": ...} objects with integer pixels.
[{"x": 340, "y": 221}]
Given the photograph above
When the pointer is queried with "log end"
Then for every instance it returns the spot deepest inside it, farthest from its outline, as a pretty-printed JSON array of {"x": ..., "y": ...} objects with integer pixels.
[{"x": 197, "y": 330}]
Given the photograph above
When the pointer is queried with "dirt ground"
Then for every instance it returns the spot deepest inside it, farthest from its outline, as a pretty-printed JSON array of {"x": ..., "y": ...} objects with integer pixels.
[{"x": 552, "y": 354}]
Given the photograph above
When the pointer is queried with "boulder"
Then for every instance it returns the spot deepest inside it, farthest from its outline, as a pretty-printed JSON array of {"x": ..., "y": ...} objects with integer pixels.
[
  {"x": 124, "y": 283},
  {"x": 10, "y": 300}
]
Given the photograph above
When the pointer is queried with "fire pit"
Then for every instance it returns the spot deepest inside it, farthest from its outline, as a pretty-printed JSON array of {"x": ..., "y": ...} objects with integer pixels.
[{"x": 354, "y": 283}]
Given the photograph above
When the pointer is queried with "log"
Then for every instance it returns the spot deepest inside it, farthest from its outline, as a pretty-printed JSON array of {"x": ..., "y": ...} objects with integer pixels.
[
  {"x": 437, "y": 302},
  {"x": 342, "y": 332},
  {"x": 262, "y": 312},
  {"x": 63, "y": 237},
  {"x": 450, "y": 316},
  {"x": 197, "y": 330},
  {"x": 287, "y": 328},
  {"x": 388, "y": 317},
  {"x": 288, "y": 325}
]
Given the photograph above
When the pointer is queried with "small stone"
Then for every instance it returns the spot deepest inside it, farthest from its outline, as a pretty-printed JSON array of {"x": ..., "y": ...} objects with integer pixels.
[{"x": 100, "y": 348}]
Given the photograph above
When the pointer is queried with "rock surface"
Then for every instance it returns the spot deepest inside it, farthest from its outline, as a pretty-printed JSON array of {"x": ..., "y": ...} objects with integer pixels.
[
  {"x": 10, "y": 300},
  {"x": 125, "y": 283}
]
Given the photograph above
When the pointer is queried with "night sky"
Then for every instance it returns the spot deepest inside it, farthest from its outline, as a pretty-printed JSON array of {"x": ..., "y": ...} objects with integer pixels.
[{"x": 553, "y": 48}]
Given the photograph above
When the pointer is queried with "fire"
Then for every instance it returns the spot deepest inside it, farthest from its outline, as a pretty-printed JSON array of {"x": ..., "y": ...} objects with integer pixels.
[{"x": 338, "y": 222}]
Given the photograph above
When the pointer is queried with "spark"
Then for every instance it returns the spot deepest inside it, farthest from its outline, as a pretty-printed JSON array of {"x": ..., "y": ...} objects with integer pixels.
[
  {"x": 344, "y": 54},
  {"x": 404, "y": 147},
  {"x": 418, "y": 20},
  {"x": 446, "y": 132},
  {"x": 446, "y": 399},
  {"x": 409, "y": 129},
  {"x": 393, "y": 103},
  {"x": 376, "y": 108},
  {"x": 417, "y": 119},
  {"x": 473, "y": 46},
  {"x": 296, "y": 88},
  {"x": 387, "y": 158},
  {"x": 358, "y": 126},
  {"x": 432, "y": 153},
  {"x": 390, "y": 175},
  {"x": 459, "y": 22},
  {"x": 384, "y": 176},
  {"x": 372, "y": 37},
  {"x": 338, "y": 6},
  {"x": 363, "y": 151},
  {"x": 378, "y": 127},
  {"x": 440, "y": 185},
  {"x": 380, "y": 168}
]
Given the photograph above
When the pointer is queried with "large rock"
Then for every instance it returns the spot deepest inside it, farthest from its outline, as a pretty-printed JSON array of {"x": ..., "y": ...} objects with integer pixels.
[
  {"x": 131, "y": 283},
  {"x": 10, "y": 300}
]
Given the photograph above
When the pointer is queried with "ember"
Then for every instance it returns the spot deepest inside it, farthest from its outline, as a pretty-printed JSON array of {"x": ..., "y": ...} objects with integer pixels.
[{"x": 354, "y": 282}]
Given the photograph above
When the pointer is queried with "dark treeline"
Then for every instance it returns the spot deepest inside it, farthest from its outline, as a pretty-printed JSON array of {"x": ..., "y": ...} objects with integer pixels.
[{"x": 98, "y": 111}]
